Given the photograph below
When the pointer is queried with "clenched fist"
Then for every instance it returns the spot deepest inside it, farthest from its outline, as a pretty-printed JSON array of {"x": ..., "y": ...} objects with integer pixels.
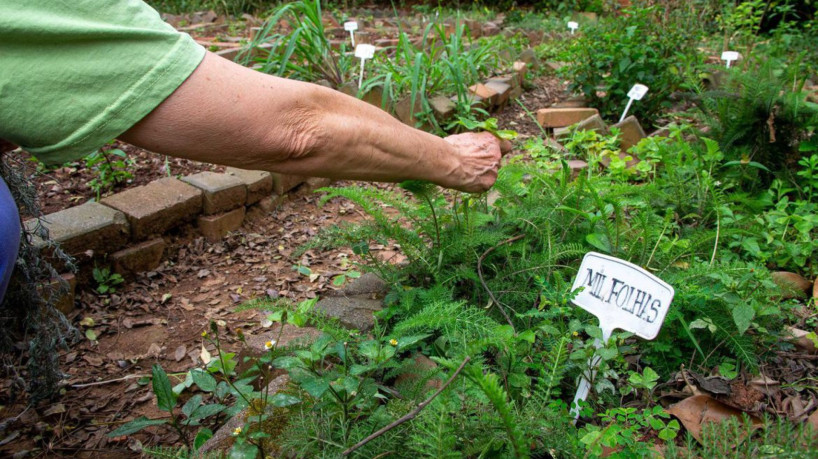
[{"x": 478, "y": 157}]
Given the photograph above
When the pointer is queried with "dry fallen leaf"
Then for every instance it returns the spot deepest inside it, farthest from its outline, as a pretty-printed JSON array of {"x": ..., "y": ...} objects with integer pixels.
[
  {"x": 205, "y": 356},
  {"x": 695, "y": 411}
]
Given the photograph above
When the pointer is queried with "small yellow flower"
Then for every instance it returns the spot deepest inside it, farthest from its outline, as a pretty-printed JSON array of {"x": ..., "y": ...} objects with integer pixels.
[
  {"x": 237, "y": 431},
  {"x": 269, "y": 344},
  {"x": 393, "y": 342},
  {"x": 575, "y": 334}
]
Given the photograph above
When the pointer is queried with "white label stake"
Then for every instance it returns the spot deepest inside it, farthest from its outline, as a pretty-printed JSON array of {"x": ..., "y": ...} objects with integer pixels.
[
  {"x": 729, "y": 56},
  {"x": 573, "y": 26},
  {"x": 351, "y": 27},
  {"x": 363, "y": 52},
  {"x": 637, "y": 92},
  {"x": 621, "y": 295}
]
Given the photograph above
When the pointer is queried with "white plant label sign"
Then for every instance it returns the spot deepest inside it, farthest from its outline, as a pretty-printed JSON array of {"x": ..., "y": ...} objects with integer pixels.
[
  {"x": 637, "y": 92},
  {"x": 363, "y": 52},
  {"x": 351, "y": 27},
  {"x": 573, "y": 26},
  {"x": 622, "y": 296},
  {"x": 729, "y": 56}
]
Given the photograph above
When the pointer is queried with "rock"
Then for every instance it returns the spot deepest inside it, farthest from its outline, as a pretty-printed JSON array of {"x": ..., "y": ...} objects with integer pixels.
[
  {"x": 91, "y": 226},
  {"x": 419, "y": 366},
  {"x": 484, "y": 92},
  {"x": 222, "y": 440},
  {"x": 259, "y": 184},
  {"x": 443, "y": 108},
  {"x": 792, "y": 285},
  {"x": 632, "y": 132},
  {"x": 349, "y": 88},
  {"x": 562, "y": 117},
  {"x": 367, "y": 284},
  {"x": 157, "y": 206},
  {"x": 801, "y": 341},
  {"x": 142, "y": 257},
  {"x": 529, "y": 57},
  {"x": 283, "y": 183},
  {"x": 353, "y": 312},
  {"x": 222, "y": 192},
  {"x": 215, "y": 227}
]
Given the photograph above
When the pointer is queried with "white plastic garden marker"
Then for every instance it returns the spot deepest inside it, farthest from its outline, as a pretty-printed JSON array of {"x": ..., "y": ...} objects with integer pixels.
[
  {"x": 637, "y": 92},
  {"x": 573, "y": 26},
  {"x": 621, "y": 295},
  {"x": 351, "y": 27},
  {"x": 729, "y": 56},
  {"x": 363, "y": 52}
]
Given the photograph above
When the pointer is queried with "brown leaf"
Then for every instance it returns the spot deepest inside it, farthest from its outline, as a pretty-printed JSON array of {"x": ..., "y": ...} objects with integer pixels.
[{"x": 695, "y": 411}]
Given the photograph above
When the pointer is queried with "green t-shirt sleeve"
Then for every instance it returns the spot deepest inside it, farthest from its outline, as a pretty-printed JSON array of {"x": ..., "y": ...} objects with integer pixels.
[{"x": 75, "y": 74}]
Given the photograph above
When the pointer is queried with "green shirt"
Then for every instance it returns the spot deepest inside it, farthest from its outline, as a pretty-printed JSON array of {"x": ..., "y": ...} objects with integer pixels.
[{"x": 75, "y": 74}]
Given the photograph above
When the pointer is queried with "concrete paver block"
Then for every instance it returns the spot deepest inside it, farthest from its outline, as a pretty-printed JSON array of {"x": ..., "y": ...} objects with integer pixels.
[
  {"x": 158, "y": 206},
  {"x": 221, "y": 192}
]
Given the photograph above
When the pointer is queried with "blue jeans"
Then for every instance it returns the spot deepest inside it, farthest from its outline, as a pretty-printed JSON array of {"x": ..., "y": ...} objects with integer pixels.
[{"x": 9, "y": 236}]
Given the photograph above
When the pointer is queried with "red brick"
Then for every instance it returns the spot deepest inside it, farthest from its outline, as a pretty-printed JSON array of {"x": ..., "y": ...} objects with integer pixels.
[{"x": 561, "y": 117}]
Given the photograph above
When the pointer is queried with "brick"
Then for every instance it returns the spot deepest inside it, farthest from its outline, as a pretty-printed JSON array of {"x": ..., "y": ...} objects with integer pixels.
[
  {"x": 230, "y": 53},
  {"x": 593, "y": 123},
  {"x": 508, "y": 78},
  {"x": 158, "y": 206},
  {"x": 405, "y": 112},
  {"x": 91, "y": 226},
  {"x": 443, "y": 107},
  {"x": 561, "y": 117},
  {"x": 215, "y": 227},
  {"x": 520, "y": 69},
  {"x": 503, "y": 91},
  {"x": 484, "y": 92},
  {"x": 632, "y": 132},
  {"x": 221, "y": 192},
  {"x": 283, "y": 183},
  {"x": 259, "y": 184},
  {"x": 142, "y": 257}
]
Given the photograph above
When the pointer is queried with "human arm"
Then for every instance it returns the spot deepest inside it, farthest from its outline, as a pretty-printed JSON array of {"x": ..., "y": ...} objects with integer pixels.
[{"x": 227, "y": 114}]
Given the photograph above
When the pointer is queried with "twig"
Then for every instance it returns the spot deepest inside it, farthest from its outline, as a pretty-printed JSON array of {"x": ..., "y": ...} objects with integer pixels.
[
  {"x": 482, "y": 281},
  {"x": 99, "y": 383},
  {"x": 412, "y": 414}
]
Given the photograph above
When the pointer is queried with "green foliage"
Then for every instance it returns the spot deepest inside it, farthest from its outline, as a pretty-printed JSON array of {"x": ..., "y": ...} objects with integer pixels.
[
  {"x": 107, "y": 281},
  {"x": 622, "y": 430},
  {"x": 303, "y": 54},
  {"x": 742, "y": 438},
  {"x": 759, "y": 117},
  {"x": 110, "y": 168},
  {"x": 640, "y": 46}
]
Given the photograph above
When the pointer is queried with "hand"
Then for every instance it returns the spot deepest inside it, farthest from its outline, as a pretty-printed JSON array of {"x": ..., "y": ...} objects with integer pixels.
[{"x": 479, "y": 157}]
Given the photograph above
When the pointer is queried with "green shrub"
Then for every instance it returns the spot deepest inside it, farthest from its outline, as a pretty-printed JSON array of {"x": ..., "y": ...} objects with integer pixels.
[{"x": 637, "y": 47}]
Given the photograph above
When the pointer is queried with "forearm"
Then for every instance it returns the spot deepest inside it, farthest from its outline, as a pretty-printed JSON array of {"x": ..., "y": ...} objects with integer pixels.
[{"x": 230, "y": 115}]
